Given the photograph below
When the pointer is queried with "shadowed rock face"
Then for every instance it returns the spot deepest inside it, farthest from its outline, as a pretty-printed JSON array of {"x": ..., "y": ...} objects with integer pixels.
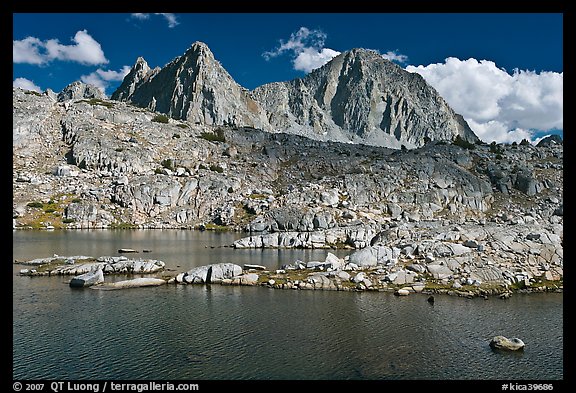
[{"x": 358, "y": 96}]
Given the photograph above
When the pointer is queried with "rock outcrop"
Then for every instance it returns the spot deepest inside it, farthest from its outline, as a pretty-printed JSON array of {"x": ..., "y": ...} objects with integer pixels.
[{"x": 79, "y": 90}]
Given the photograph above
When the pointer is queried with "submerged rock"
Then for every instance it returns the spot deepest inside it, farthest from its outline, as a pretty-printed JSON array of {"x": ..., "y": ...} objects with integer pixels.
[{"x": 512, "y": 344}]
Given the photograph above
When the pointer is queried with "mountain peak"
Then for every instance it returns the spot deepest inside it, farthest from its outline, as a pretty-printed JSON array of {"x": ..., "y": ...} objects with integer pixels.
[
  {"x": 358, "y": 96},
  {"x": 194, "y": 87},
  {"x": 199, "y": 49}
]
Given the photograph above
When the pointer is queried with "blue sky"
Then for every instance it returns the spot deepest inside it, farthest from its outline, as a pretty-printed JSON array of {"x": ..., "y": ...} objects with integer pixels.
[{"x": 502, "y": 72}]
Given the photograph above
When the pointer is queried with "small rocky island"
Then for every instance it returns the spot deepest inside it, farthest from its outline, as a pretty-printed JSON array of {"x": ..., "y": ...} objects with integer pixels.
[
  {"x": 397, "y": 177},
  {"x": 352, "y": 273}
]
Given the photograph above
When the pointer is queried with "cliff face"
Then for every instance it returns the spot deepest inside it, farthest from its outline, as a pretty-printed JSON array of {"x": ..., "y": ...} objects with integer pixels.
[
  {"x": 193, "y": 87},
  {"x": 357, "y": 97},
  {"x": 120, "y": 165}
]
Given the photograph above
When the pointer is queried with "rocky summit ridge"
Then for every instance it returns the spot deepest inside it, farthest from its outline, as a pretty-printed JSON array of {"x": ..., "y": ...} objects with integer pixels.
[{"x": 357, "y": 97}]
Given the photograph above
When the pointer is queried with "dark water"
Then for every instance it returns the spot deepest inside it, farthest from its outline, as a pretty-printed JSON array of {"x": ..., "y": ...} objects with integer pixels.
[{"x": 223, "y": 332}]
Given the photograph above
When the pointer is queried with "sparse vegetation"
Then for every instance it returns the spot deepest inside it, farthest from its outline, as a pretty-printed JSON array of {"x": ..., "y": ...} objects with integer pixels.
[
  {"x": 123, "y": 225},
  {"x": 32, "y": 92},
  {"x": 35, "y": 204},
  {"x": 213, "y": 137},
  {"x": 257, "y": 196},
  {"x": 168, "y": 164},
  {"x": 495, "y": 148},
  {"x": 160, "y": 119},
  {"x": 216, "y": 168},
  {"x": 458, "y": 141},
  {"x": 210, "y": 226},
  {"x": 97, "y": 101}
]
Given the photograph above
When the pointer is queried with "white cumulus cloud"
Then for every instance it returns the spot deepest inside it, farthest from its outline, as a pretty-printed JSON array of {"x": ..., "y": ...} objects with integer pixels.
[
  {"x": 394, "y": 56},
  {"x": 310, "y": 59},
  {"x": 26, "y": 84},
  {"x": 102, "y": 78},
  {"x": 170, "y": 18},
  {"x": 497, "y": 105},
  {"x": 85, "y": 50},
  {"x": 28, "y": 51},
  {"x": 306, "y": 47}
]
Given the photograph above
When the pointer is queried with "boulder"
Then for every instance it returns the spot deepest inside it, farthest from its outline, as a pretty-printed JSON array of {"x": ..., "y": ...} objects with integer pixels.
[
  {"x": 512, "y": 344},
  {"x": 365, "y": 257},
  {"x": 333, "y": 262},
  {"x": 87, "y": 279},
  {"x": 248, "y": 279},
  {"x": 221, "y": 271},
  {"x": 439, "y": 271},
  {"x": 197, "y": 275}
]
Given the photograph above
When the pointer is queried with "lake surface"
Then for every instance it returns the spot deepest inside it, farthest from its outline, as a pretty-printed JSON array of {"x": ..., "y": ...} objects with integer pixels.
[{"x": 178, "y": 332}]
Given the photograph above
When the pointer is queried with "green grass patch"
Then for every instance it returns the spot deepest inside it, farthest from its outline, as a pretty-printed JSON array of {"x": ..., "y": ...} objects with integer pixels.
[
  {"x": 213, "y": 227},
  {"x": 123, "y": 225},
  {"x": 217, "y": 136},
  {"x": 168, "y": 164},
  {"x": 35, "y": 204},
  {"x": 216, "y": 168},
  {"x": 257, "y": 196},
  {"x": 32, "y": 92},
  {"x": 160, "y": 119},
  {"x": 97, "y": 101}
]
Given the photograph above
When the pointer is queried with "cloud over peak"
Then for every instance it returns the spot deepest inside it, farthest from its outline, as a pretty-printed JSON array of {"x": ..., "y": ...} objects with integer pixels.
[
  {"x": 306, "y": 47},
  {"x": 497, "y": 105}
]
